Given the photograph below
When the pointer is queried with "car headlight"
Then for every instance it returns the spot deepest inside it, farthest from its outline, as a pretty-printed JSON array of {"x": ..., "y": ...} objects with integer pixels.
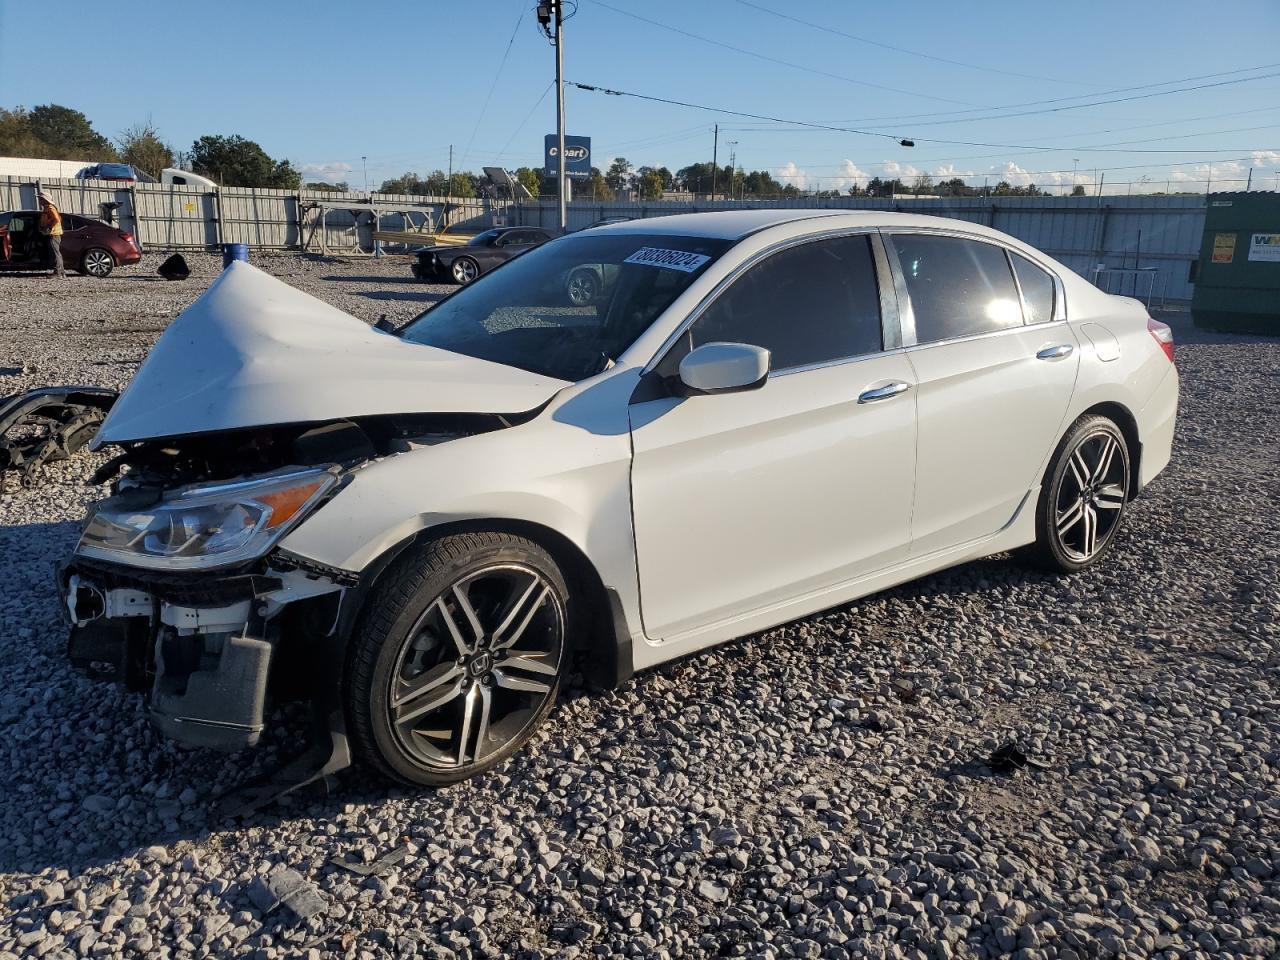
[{"x": 208, "y": 526}]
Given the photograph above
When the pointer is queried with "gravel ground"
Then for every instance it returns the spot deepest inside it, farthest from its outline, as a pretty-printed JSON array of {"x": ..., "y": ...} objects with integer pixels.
[{"x": 816, "y": 790}]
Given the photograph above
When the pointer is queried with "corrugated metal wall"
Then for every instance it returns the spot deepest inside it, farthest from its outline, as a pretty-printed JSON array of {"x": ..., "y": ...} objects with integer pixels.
[
  {"x": 182, "y": 217},
  {"x": 1158, "y": 234},
  {"x": 1122, "y": 232}
]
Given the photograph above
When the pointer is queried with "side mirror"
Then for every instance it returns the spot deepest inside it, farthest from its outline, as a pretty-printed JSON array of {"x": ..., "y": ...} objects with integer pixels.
[{"x": 724, "y": 368}]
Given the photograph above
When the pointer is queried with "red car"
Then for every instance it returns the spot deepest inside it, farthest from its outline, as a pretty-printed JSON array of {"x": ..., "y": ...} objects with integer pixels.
[{"x": 90, "y": 246}]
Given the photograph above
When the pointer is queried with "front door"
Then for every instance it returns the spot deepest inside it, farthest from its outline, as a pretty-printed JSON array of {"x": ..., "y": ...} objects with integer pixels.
[
  {"x": 742, "y": 501},
  {"x": 993, "y": 389}
]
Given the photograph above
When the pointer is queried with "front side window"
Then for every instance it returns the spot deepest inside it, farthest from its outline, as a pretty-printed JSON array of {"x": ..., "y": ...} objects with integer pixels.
[
  {"x": 958, "y": 287},
  {"x": 1037, "y": 289},
  {"x": 567, "y": 308},
  {"x": 813, "y": 303}
]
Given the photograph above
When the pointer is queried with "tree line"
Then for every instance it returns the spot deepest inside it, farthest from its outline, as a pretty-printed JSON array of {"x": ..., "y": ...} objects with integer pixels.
[{"x": 55, "y": 132}]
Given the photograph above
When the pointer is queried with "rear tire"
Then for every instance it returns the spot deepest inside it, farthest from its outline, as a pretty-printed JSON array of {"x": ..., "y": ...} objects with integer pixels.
[
  {"x": 459, "y": 658},
  {"x": 97, "y": 262},
  {"x": 464, "y": 270},
  {"x": 1083, "y": 500}
]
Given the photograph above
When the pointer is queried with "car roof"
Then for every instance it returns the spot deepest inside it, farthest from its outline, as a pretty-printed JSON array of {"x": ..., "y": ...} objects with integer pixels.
[{"x": 736, "y": 224}]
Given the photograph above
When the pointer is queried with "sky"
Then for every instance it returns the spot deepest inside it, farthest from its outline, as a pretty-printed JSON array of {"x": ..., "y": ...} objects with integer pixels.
[{"x": 346, "y": 91}]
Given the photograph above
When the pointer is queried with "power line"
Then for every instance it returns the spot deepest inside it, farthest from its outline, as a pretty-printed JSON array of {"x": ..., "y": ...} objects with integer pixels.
[
  {"x": 492, "y": 86},
  {"x": 785, "y": 63},
  {"x": 904, "y": 50},
  {"x": 1105, "y": 93},
  {"x": 1099, "y": 103},
  {"x": 528, "y": 116},
  {"x": 866, "y": 133}
]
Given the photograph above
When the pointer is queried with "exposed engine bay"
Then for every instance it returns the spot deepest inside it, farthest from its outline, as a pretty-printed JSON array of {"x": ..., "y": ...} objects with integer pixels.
[{"x": 206, "y": 643}]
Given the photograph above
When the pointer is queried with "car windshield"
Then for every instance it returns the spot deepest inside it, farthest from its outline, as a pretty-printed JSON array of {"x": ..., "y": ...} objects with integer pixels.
[
  {"x": 115, "y": 170},
  {"x": 482, "y": 239},
  {"x": 567, "y": 308}
]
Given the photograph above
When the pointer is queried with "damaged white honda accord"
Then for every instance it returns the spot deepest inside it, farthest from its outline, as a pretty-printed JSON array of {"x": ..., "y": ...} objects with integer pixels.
[{"x": 626, "y": 445}]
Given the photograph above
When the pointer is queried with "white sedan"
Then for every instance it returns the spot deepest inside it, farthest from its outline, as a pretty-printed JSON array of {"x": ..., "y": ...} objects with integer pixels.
[{"x": 754, "y": 416}]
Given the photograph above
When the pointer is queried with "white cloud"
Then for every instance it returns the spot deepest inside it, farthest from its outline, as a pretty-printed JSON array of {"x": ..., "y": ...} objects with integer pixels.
[
  {"x": 333, "y": 172},
  {"x": 847, "y": 174}
]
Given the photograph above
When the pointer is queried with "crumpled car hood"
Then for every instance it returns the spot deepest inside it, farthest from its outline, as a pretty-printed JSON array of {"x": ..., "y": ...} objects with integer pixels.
[{"x": 253, "y": 351}]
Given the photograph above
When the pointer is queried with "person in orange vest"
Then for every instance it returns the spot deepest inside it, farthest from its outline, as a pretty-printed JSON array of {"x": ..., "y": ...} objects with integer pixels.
[{"x": 51, "y": 227}]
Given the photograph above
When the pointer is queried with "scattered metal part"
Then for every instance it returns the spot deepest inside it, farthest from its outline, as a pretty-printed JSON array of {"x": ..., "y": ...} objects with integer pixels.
[
  {"x": 378, "y": 867},
  {"x": 1008, "y": 758},
  {"x": 46, "y": 425},
  {"x": 288, "y": 888},
  {"x": 318, "y": 765}
]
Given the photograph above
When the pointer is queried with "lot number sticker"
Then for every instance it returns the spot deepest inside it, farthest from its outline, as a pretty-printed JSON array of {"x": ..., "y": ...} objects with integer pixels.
[
  {"x": 671, "y": 259},
  {"x": 1265, "y": 246},
  {"x": 1224, "y": 247}
]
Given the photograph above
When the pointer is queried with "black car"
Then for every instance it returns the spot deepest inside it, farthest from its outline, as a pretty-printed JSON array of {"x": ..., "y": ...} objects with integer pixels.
[{"x": 480, "y": 254}]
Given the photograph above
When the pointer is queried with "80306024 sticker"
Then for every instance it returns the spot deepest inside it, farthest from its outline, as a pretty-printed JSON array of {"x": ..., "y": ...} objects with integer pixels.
[{"x": 671, "y": 259}]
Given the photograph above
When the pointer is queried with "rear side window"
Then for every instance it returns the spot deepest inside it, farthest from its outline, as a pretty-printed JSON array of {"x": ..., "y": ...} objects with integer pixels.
[
  {"x": 813, "y": 303},
  {"x": 958, "y": 287},
  {"x": 1037, "y": 289}
]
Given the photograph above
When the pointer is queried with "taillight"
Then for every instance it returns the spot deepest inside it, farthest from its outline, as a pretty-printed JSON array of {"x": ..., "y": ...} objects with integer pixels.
[{"x": 1163, "y": 335}]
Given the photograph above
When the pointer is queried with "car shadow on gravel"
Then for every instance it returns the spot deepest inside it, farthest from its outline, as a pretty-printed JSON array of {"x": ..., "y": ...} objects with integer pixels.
[
  {"x": 415, "y": 297},
  {"x": 383, "y": 280}
]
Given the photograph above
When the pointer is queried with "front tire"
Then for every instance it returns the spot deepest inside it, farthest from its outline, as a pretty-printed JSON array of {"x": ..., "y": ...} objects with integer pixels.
[
  {"x": 459, "y": 659},
  {"x": 1084, "y": 496},
  {"x": 97, "y": 262},
  {"x": 464, "y": 270}
]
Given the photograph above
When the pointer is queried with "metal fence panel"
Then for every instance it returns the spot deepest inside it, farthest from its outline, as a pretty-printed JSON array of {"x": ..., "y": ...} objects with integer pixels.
[
  {"x": 1084, "y": 233},
  {"x": 1081, "y": 232}
]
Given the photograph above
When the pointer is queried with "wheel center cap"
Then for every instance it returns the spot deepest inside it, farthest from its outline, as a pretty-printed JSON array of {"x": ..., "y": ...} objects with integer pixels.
[{"x": 480, "y": 664}]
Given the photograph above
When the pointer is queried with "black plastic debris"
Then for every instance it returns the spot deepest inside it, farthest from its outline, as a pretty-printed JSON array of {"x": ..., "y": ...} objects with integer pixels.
[
  {"x": 47, "y": 425},
  {"x": 283, "y": 887},
  {"x": 375, "y": 869},
  {"x": 175, "y": 268},
  {"x": 1008, "y": 758}
]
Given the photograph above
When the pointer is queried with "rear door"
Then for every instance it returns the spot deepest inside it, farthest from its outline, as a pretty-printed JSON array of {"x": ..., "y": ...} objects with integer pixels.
[
  {"x": 742, "y": 501},
  {"x": 77, "y": 235},
  {"x": 993, "y": 389}
]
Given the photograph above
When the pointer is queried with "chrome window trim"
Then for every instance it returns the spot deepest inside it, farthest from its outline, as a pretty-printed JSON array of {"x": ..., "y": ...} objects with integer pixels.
[
  {"x": 725, "y": 282},
  {"x": 1059, "y": 304},
  {"x": 822, "y": 365}
]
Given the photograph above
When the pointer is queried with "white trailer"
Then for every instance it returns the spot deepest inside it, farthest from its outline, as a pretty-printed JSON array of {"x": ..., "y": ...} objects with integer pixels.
[{"x": 31, "y": 169}]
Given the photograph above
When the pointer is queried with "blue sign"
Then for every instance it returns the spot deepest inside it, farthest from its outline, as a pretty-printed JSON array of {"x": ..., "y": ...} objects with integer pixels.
[{"x": 577, "y": 156}]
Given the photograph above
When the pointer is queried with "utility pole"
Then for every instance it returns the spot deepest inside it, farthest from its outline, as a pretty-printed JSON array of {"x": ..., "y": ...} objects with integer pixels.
[
  {"x": 562, "y": 185},
  {"x": 733, "y": 165},
  {"x": 364, "y": 163},
  {"x": 1249, "y": 184},
  {"x": 1075, "y": 163},
  {"x": 715, "y": 156}
]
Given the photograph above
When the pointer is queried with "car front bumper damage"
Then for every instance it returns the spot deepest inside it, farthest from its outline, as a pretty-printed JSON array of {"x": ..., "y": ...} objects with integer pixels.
[{"x": 207, "y": 651}]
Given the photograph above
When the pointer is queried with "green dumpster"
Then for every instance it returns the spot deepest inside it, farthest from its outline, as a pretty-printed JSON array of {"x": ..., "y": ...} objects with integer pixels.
[{"x": 1237, "y": 283}]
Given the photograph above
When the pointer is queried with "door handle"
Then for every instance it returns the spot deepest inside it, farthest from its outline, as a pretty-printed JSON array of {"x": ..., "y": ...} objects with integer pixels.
[
  {"x": 1055, "y": 353},
  {"x": 887, "y": 392}
]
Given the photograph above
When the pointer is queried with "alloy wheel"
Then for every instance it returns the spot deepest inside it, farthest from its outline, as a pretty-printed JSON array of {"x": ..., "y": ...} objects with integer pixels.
[
  {"x": 1091, "y": 495},
  {"x": 98, "y": 263},
  {"x": 477, "y": 666},
  {"x": 582, "y": 288},
  {"x": 464, "y": 270}
]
